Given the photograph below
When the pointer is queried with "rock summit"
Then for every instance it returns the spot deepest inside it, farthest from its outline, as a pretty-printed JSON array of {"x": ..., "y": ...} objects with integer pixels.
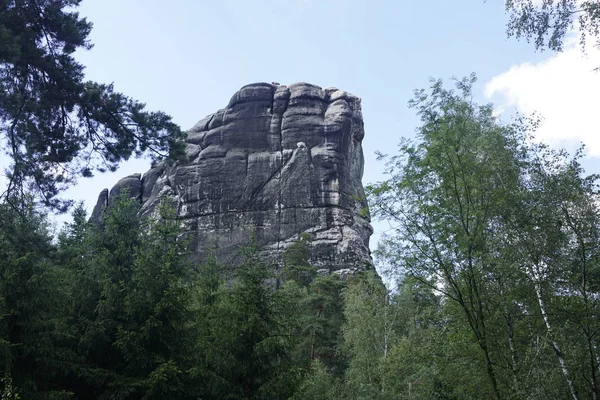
[{"x": 277, "y": 162}]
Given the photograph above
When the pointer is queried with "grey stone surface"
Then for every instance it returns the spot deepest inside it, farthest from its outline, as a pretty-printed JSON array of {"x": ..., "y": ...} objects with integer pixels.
[{"x": 277, "y": 162}]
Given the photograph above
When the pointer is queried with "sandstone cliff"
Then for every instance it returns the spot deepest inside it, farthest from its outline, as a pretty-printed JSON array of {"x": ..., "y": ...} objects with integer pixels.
[{"x": 276, "y": 162}]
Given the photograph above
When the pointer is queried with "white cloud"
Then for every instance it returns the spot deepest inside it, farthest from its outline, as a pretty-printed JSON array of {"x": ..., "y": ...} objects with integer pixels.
[{"x": 564, "y": 89}]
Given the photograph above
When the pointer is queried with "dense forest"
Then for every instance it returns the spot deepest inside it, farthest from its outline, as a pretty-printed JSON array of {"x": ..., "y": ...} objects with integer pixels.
[
  {"x": 494, "y": 251},
  {"x": 492, "y": 259}
]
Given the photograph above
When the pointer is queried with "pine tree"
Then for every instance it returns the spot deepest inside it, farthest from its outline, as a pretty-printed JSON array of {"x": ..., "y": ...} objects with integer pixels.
[{"x": 55, "y": 126}]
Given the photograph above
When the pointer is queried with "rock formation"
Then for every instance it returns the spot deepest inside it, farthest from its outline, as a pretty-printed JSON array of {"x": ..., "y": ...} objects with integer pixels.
[{"x": 276, "y": 162}]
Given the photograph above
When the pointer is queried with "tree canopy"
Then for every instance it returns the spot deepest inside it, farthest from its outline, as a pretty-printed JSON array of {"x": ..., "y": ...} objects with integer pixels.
[
  {"x": 547, "y": 23},
  {"x": 54, "y": 125},
  {"x": 495, "y": 250},
  {"x": 505, "y": 231}
]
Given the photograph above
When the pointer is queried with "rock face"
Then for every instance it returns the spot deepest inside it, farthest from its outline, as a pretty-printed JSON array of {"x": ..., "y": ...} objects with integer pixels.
[{"x": 276, "y": 162}]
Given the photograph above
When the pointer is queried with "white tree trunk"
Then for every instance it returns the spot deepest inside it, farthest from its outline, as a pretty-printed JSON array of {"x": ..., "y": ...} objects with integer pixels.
[{"x": 555, "y": 345}]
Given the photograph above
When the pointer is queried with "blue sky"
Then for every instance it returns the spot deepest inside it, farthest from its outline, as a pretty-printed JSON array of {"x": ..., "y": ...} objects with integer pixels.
[{"x": 187, "y": 57}]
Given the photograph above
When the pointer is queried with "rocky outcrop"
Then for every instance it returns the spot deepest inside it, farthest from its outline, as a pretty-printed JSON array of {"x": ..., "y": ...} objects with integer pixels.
[{"x": 276, "y": 162}]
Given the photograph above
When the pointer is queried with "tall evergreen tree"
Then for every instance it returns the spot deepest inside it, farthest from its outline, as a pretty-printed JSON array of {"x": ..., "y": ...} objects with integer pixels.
[
  {"x": 132, "y": 306},
  {"x": 157, "y": 332},
  {"x": 56, "y": 126},
  {"x": 34, "y": 351},
  {"x": 250, "y": 345},
  {"x": 318, "y": 313}
]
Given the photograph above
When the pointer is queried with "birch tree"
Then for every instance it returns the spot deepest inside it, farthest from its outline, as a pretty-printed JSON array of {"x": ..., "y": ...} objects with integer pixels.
[{"x": 445, "y": 193}]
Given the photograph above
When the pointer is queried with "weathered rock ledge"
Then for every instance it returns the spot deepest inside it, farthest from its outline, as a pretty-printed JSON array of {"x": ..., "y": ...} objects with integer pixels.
[{"x": 276, "y": 162}]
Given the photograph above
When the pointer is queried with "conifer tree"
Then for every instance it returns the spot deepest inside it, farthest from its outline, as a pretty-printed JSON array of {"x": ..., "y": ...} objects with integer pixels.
[
  {"x": 54, "y": 125},
  {"x": 156, "y": 333},
  {"x": 250, "y": 347},
  {"x": 34, "y": 355},
  {"x": 132, "y": 305}
]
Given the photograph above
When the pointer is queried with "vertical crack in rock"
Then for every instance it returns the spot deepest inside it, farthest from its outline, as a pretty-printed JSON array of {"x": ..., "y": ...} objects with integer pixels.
[
  {"x": 278, "y": 112},
  {"x": 278, "y": 161}
]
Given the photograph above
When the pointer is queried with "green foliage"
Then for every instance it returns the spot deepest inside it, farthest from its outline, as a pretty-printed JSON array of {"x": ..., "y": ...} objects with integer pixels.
[
  {"x": 9, "y": 392},
  {"x": 131, "y": 306},
  {"x": 495, "y": 252},
  {"x": 321, "y": 322},
  {"x": 446, "y": 194},
  {"x": 55, "y": 126},
  {"x": 33, "y": 355},
  {"x": 156, "y": 333},
  {"x": 316, "y": 302},
  {"x": 368, "y": 335},
  {"x": 319, "y": 384},
  {"x": 507, "y": 232},
  {"x": 297, "y": 266},
  {"x": 548, "y": 23},
  {"x": 247, "y": 347}
]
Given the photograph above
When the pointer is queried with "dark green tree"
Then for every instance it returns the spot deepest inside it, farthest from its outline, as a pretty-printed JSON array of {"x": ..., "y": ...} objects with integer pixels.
[
  {"x": 296, "y": 262},
  {"x": 315, "y": 318},
  {"x": 102, "y": 266},
  {"x": 318, "y": 384},
  {"x": 321, "y": 320},
  {"x": 157, "y": 332},
  {"x": 54, "y": 125},
  {"x": 132, "y": 305},
  {"x": 249, "y": 348},
  {"x": 35, "y": 355}
]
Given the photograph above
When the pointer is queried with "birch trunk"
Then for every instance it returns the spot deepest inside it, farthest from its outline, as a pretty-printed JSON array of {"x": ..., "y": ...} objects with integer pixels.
[{"x": 553, "y": 342}]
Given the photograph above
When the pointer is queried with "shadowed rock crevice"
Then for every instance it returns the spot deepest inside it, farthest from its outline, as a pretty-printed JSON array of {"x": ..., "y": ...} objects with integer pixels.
[{"x": 277, "y": 162}]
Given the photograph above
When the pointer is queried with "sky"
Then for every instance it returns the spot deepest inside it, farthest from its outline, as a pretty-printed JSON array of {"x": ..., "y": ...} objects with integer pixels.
[{"x": 188, "y": 57}]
